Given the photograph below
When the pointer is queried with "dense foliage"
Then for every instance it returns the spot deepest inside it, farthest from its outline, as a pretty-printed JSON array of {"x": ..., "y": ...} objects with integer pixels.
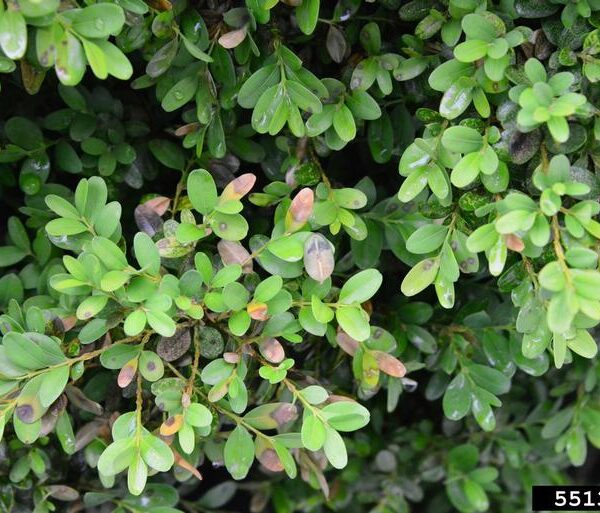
[{"x": 347, "y": 251}]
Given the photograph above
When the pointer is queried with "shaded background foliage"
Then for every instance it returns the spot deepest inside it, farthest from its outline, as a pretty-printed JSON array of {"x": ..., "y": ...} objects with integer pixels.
[{"x": 386, "y": 92}]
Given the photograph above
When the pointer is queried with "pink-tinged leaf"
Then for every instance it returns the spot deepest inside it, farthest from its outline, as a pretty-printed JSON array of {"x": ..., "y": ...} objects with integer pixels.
[
  {"x": 238, "y": 188},
  {"x": 300, "y": 210}
]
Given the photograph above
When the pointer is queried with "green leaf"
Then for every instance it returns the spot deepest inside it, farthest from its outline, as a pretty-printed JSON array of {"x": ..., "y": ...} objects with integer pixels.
[
  {"x": 354, "y": 321},
  {"x": 116, "y": 457},
  {"x": 62, "y": 226},
  {"x": 97, "y": 21},
  {"x": 13, "y": 34},
  {"x": 180, "y": 94},
  {"x": 202, "y": 191},
  {"x": 427, "y": 238},
  {"x": 583, "y": 344},
  {"x": 457, "y": 98},
  {"x": 137, "y": 476},
  {"x": 557, "y": 423},
  {"x": 10, "y": 255},
  {"x": 134, "y": 323},
  {"x": 53, "y": 384},
  {"x": 251, "y": 90},
  {"x": 161, "y": 323},
  {"x": 23, "y": 351},
  {"x": 146, "y": 253},
  {"x": 466, "y": 171},
  {"x": 268, "y": 289},
  {"x": 335, "y": 449},
  {"x": 303, "y": 97},
  {"x": 462, "y": 139},
  {"x": 476, "y": 495},
  {"x": 307, "y": 15},
  {"x": 96, "y": 59},
  {"x": 471, "y": 51},
  {"x": 457, "y": 398},
  {"x": 361, "y": 287},
  {"x": 489, "y": 378},
  {"x": 156, "y": 453},
  {"x": 344, "y": 125},
  {"x": 363, "y": 105},
  {"x": 18, "y": 234},
  {"x": 167, "y": 153},
  {"x": 117, "y": 64},
  {"x": 109, "y": 253},
  {"x": 239, "y": 452},
  {"x": 313, "y": 433},
  {"x": 346, "y": 415},
  {"x": 198, "y": 415}
]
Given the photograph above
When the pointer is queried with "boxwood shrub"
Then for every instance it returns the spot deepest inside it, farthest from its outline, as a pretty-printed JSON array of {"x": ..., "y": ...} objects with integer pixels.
[{"x": 298, "y": 255}]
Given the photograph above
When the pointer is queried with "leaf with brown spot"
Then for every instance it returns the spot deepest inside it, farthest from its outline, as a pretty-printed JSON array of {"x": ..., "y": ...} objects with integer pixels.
[{"x": 171, "y": 425}]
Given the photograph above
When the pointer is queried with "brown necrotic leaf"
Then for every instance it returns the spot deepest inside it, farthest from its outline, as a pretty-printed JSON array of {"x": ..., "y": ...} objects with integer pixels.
[
  {"x": 89, "y": 432},
  {"x": 81, "y": 402},
  {"x": 147, "y": 220},
  {"x": 336, "y": 44},
  {"x": 173, "y": 348},
  {"x": 63, "y": 492}
]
